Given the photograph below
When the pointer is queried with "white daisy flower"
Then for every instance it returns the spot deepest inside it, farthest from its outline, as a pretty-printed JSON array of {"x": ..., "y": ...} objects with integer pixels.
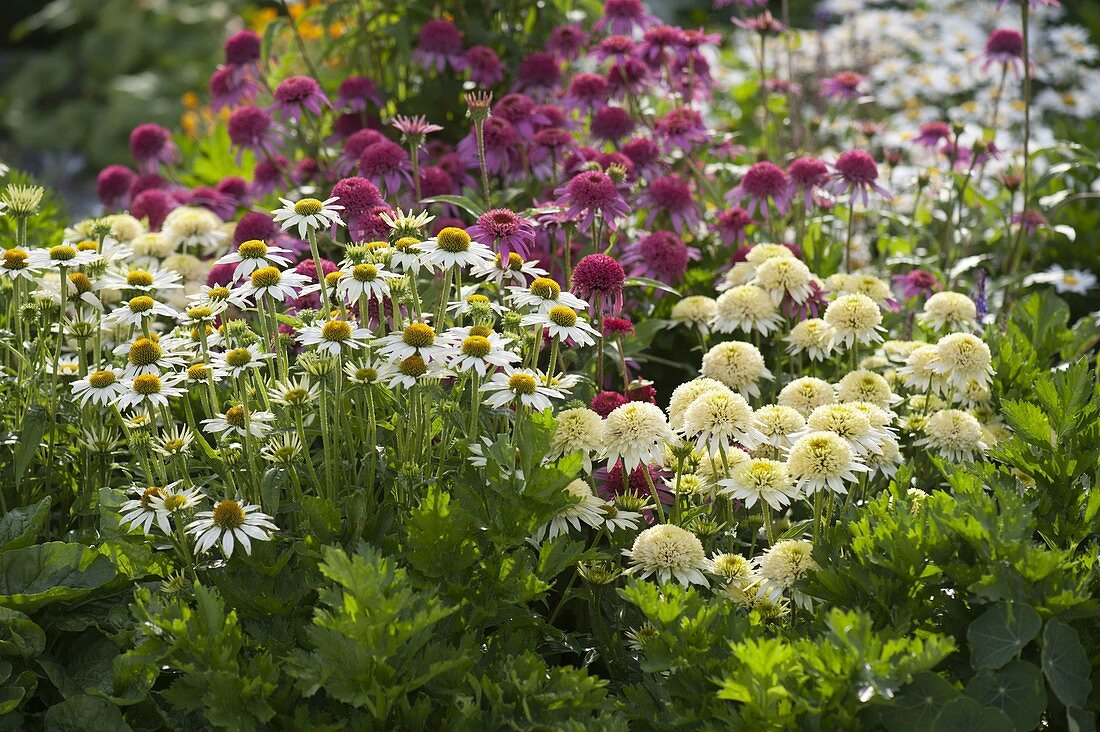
[
  {"x": 453, "y": 247},
  {"x": 152, "y": 355},
  {"x": 334, "y": 337},
  {"x": 143, "y": 280},
  {"x": 141, "y": 513},
  {"x": 562, "y": 322},
  {"x": 759, "y": 479},
  {"x": 415, "y": 339},
  {"x": 308, "y": 214},
  {"x": 363, "y": 280},
  {"x": 238, "y": 421},
  {"x": 252, "y": 255},
  {"x": 823, "y": 460},
  {"x": 481, "y": 353},
  {"x": 99, "y": 387},
  {"x": 137, "y": 309},
  {"x": 407, "y": 372},
  {"x": 543, "y": 294},
  {"x": 194, "y": 229},
  {"x": 271, "y": 282},
  {"x": 524, "y": 386},
  {"x": 517, "y": 272},
  {"x": 230, "y": 523},
  {"x": 238, "y": 361},
  {"x": 637, "y": 433},
  {"x": 781, "y": 567},
  {"x": 1077, "y": 281},
  {"x": 148, "y": 391},
  {"x": 17, "y": 263},
  {"x": 62, "y": 255}
]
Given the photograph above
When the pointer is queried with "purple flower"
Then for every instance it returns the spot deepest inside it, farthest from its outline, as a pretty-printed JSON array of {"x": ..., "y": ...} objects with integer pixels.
[
  {"x": 628, "y": 77},
  {"x": 764, "y": 24},
  {"x": 153, "y": 205},
  {"x": 1004, "y": 46},
  {"x": 113, "y": 186},
  {"x": 439, "y": 44},
  {"x": 386, "y": 163},
  {"x": 586, "y": 92},
  {"x": 614, "y": 48},
  {"x": 539, "y": 74},
  {"x": 847, "y": 86},
  {"x": 931, "y": 134},
  {"x": 151, "y": 145},
  {"x": 251, "y": 128},
  {"x": 807, "y": 175},
  {"x": 645, "y": 154},
  {"x": 622, "y": 17},
  {"x": 355, "y": 92},
  {"x": 662, "y": 255},
  {"x": 414, "y": 129},
  {"x": 611, "y": 124},
  {"x": 509, "y": 232},
  {"x": 599, "y": 276},
  {"x": 213, "y": 200},
  {"x": 520, "y": 111},
  {"x": 764, "y": 182},
  {"x": 589, "y": 194},
  {"x": 732, "y": 224},
  {"x": 671, "y": 196},
  {"x": 230, "y": 88},
  {"x": 682, "y": 128},
  {"x": 1032, "y": 221},
  {"x": 502, "y": 150},
  {"x": 663, "y": 45},
  {"x": 916, "y": 283},
  {"x": 354, "y": 146},
  {"x": 856, "y": 174},
  {"x": 269, "y": 174},
  {"x": 567, "y": 41},
  {"x": 242, "y": 49},
  {"x": 484, "y": 65},
  {"x": 358, "y": 196},
  {"x": 296, "y": 95}
]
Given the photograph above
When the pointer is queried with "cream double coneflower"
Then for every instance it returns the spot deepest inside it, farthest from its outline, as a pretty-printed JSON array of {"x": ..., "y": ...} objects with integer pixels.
[
  {"x": 748, "y": 308},
  {"x": 717, "y": 418},
  {"x": 823, "y": 461},
  {"x": 738, "y": 365},
  {"x": 855, "y": 319},
  {"x": 760, "y": 479},
  {"x": 670, "y": 553},
  {"x": 636, "y": 433},
  {"x": 962, "y": 358},
  {"x": 948, "y": 310},
  {"x": 781, "y": 567},
  {"x": 954, "y": 434}
]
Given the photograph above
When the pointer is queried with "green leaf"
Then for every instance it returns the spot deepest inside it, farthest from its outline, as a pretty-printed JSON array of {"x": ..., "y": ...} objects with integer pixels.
[
  {"x": 22, "y": 525},
  {"x": 462, "y": 202},
  {"x": 19, "y": 635},
  {"x": 1028, "y": 421},
  {"x": 1017, "y": 690},
  {"x": 1066, "y": 664},
  {"x": 77, "y": 713},
  {"x": 966, "y": 715},
  {"x": 43, "y": 574},
  {"x": 918, "y": 704},
  {"x": 30, "y": 434},
  {"x": 1000, "y": 633},
  {"x": 650, "y": 282}
]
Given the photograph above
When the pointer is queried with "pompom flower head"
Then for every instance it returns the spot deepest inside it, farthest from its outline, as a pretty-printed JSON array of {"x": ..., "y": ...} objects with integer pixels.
[
  {"x": 670, "y": 553},
  {"x": 823, "y": 461},
  {"x": 637, "y": 433},
  {"x": 600, "y": 276}
]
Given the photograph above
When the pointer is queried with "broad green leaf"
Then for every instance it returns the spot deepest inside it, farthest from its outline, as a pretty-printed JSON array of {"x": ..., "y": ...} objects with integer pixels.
[
  {"x": 40, "y": 575},
  {"x": 1028, "y": 421},
  {"x": 19, "y": 635},
  {"x": 1066, "y": 664},
  {"x": 966, "y": 715},
  {"x": 77, "y": 713},
  {"x": 1017, "y": 690},
  {"x": 916, "y": 707},
  {"x": 21, "y": 526},
  {"x": 30, "y": 434},
  {"x": 472, "y": 208},
  {"x": 1000, "y": 633},
  {"x": 10, "y": 696}
]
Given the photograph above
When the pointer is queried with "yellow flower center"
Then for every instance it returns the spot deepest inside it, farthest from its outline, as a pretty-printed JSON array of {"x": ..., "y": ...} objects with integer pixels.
[
  {"x": 147, "y": 384},
  {"x": 15, "y": 259},
  {"x": 175, "y": 501},
  {"x": 522, "y": 383},
  {"x": 139, "y": 278},
  {"x": 197, "y": 372},
  {"x": 453, "y": 240},
  {"x": 252, "y": 249},
  {"x": 413, "y": 366},
  {"x": 144, "y": 352},
  {"x": 332, "y": 278},
  {"x": 265, "y": 277},
  {"x": 141, "y": 303},
  {"x": 199, "y": 312},
  {"x": 149, "y": 494},
  {"x": 308, "y": 207},
  {"x": 81, "y": 282},
  {"x": 405, "y": 243},
  {"x": 1069, "y": 280},
  {"x": 62, "y": 253},
  {"x": 418, "y": 335},
  {"x": 228, "y": 514},
  {"x": 364, "y": 272},
  {"x": 365, "y": 373},
  {"x": 101, "y": 379},
  {"x": 481, "y": 330},
  {"x": 546, "y": 288},
  {"x": 221, "y": 292},
  {"x": 238, "y": 357},
  {"x": 373, "y": 246},
  {"x": 515, "y": 262},
  {"x": 477, "y": 299},
  {"x": 476, "y": 346},
  {"x": 336, "y": 330},
  {"x": 88, "y": 246},
  {"x": 563, "y": 316},
  {"x": 236, "y": 416}
]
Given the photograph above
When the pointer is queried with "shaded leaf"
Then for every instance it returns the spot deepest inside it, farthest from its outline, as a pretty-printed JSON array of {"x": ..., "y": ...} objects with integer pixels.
[
  {"x": 1017, "y": 690},
  {"x": 1000, "y": 633},
  {"x": 1066, "y": 664}
]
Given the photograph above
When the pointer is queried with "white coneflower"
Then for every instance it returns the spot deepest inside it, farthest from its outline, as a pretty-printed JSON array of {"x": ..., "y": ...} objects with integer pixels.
[
  {"x": 415, "y": 339},
  {"x": 193, "y": 228},
  {"x": 760, "y": 479},
  {"x": 739, "y": 576},
  {"x": 407, "y": 372},
  {"x": 361, "y": 372},
  {"x": 142, "y": 280},
  {"x": 252, "y": 255},
  {"x": 782, "y": 566},
  {"x": 865, "y": 284},
  {"x": 637, "y": 433},
  {"x": 99, "y": 387},
  {"x": 748, "y": 308},
  {"x": 887, "y": 461},
  {"x": 140, "y": 513},
  {"x": 212, "y": 296},
  {"x": 367, "y": 280},
  {"x": 805, "y": 394},
  {"x": 62, "y": 255},
  {"x": 670, "y": 553},
  {"x": 954, "y": 434},
  {"x": 481, "y": 353},
  {"x": 282, "y": 449},
  {"x": 686, "y": 393},
  {"x": 823, "y": 460},
  {"x": 238, "y": 361},
  {"x": 814, "y": 337},
  {"x": 515, "y": 272},
  {"x": 308, "y": 214},
  {"x": 855, "y": 319},
  {"x": 173, "y": 442},
  {"x": 717, "y": 418},
  {"x": 761, "y": 253},
  {"x": 543, "y": 294},
  {"x": 778, "y": 423},
  {"x": 271, "y": 282},
  {"x": 617, "y": 519},
  {"x": 453, "y": 247},
  {"x": 738, "y": 365},
  {"x": 739, "y": 274},
  {"x": 584, "y": 508},
  {"x": 949, "y": 310},
  {"x": 522, "y": 386},
  {"x": 578, "y": 430},
  {"x": 962, "y": 358},
  {"x": 696, "y": 311},
  {"x": 407, "y": 224},
  {"x": 880, "y": 418},
  {"x": 149, "y": 391},
  {"x": 785, "y": 276},
  {"x": 562, "y": 322},
  {"x": 170, "y": 502},
  {"x": 919, "y": 372},
  {"x": 150, "y": 247},
  {"x": 334, "y": 337},
  {"x": 230, "y": 523},
  {"x": 16, "y": 263},
  {"x": 850, "y": 423},
  {"x": 137, "y": 309},
  {"x": 866, "y": 386},
  {"x": 151, "y": 355},
  {"x": 898, "y": 351},
  {"x": 239, "y": 421}
]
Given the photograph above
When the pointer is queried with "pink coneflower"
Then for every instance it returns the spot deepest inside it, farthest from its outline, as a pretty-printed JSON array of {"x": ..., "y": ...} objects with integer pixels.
[
  {"x": 212, "y": 200},
  {"x": 931, "y": 134},
  {"x": 732, "y": 224},
  {"x": 1004, "y": 46},
  {"x": 502, "y": 151},
  {"x": 586, "y": 92},
  {"x": 255, "y": 226},
  {"x": 719, "y": 4},
  {"x": 415, "y": 129},
  {"x": 682, "y": 128},
  {"x": 506, "y": 231},
  {"x": 268, "y": 174},
  {"x": 356, "y": 92},
  {"x": 345, "y": 125},
  {"x": 567, "y": 41},
  {"x": 112, "y": 185},
  {"x": 151, "y": 145},
  {"x": 520, "y": 111},
  {"x": 617, "y": 328},
  {"x": 1032, "y": 221},
  {"x": 916, "y": 283},
  {"x": 763, "y": 185},
  {"x": 146, "y": 182},
  {"x": 297, "y": 95},
  {"x": 641, "y": 391},
  {"x": 354, "y": 146},
  {"x": 251, "y": 128},
  {"x": 782, "y": 87},
  {"x": 847, "y": 86},
  {"x": 387, "y": 164},
  {"x": 811, "y": 307},
  {"x": 607, "y": 402},
  {"x": 610, "y": 482},
  {"x": 857, "y": 174},
  {"x": 358, "y": 196},
  {"x": 663, "y": 45},
  {"x": 614, "y": 48},
  {"x": 235, "y": 188},
  {"x": 645, "y": 154},
  {"x": 374, "y": 226},
  {"x": 547, "y": 150},
  {"x": 622, "y": 17},
  {"x": 435, "y": 181},
  {"x": 308, "y": 268},
  {"x": 600, "y": 277},
  {"x": 628, "y": 77},
  {"x": 439, "y": 44},
  {"x": 608, "y": 159},
  {"x": 305, "y": 171},
  {"x": 153, "y": 205},
  {"x": 661, "y": 256},
  {"x": 551, "y": 115},
  {"x": 589, "y": 194},
  {"x": 672, "y": 196},
  {"x": 484, "y": 65},
  {"x": 243, "y": 48},
  {"x": 230, "y": 88},
  {"x": 807, "y": 175},
  {"x": 764, "y": 24},
  {"x": 538, "y": 74}
]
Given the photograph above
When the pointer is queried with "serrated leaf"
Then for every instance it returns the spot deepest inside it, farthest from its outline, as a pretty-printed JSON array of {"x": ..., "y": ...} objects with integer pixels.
[
  {"x": 1000, "y": 633},
  {"x": 1065, "y": 664},
  {"x": 1028, "y": 421}
]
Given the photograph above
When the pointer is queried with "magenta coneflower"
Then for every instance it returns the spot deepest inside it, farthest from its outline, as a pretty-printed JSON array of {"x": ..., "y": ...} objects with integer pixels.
[
  {"x": 243, "y": 48},
  {"x": 811, "y": 307},
  {"x": 586, "y": 92},
  {"x": 153, "y": 205},
  {"x": 355, "y": 92},
  {"x": 551, "y": 115},
  {"x": 151, "y": 145},
  {"x": 387, "y": 164},
  {"x": 628, "y": 77},
  {"x": 672, "y": 196},
  {"x": 847, "y": 86},
  {"x": 617, "y": 327},
  {"x": 269, "y": 173},
  {"x": 663, "y": 45},
  {"x": 763, "y": 185},
  {"x": 345, "y": 125},
  {"x": 435, "y": 181},
  {"x": 589, "y": 194},
  {"x": 547, "y": 150},
  {"x": 764, "y": 24},
  {"x": 255, "y": 226},
  {"x": 484, "y": 65},
  {"x": 306, "y": 171},
  {"x": 604, "y": 404},
  {"x": 212, "y": 200},
  {"x": 645, "y": 154},
  {"x": 146, "y": 182},
  {"x": 354, "y": 146},
  {"x": 807, "y": 175},
  {"x": 439, "y": 44},
  {"x": 358, "y": 196},
  {"x": 567, "y": 41},
  {"x": 614, "y": 48},
  {"x": 251, "y": 128},
  {"x": 622, "y": 17},
  {"x": 230, "y": 88},
  {"x": 931, "y": 134},
  {"x": 1004, "y": 46},
  {"x": 916, "y": 283},
  {"x": 857, "y": 174},
  {"x": 235, "y": 187},
  {"x": 507, "y": 232},
  {"x": 520, "y": 111},
  {"x": 682, "y": 128},
  {"x": 297, "y": 95},
  {"x": 112, "y": 185},
  {"x": 611, "y": 124},
  {"x": 538, "y": 74},
  {"x": 732, "y": 224},
  {"x": 607, "y": 159},
  {"x": 600, "y": 277},
  {"x": 662, "y": 256},
  {"x": 415, "y": 129},
  {"x": 502, "y": 152},
  {"x": 1032, "y": 221}
]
